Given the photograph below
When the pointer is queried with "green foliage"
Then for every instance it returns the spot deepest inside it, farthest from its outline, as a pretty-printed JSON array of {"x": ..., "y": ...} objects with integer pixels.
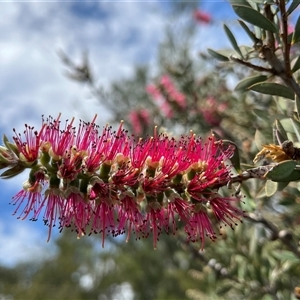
[
  {"x": 252, "y": 16},
  {"x": 246, "y": 84},
  {"x": 273, "y": 89},
  {"x": 296, "y": 33},
  {"x": 217, "y": 55},
  {"x": 232, "y": 40}
]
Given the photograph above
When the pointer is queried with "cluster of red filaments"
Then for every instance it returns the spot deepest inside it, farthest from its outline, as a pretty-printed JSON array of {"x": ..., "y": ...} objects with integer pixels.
[{"x": 109, "y": 182}]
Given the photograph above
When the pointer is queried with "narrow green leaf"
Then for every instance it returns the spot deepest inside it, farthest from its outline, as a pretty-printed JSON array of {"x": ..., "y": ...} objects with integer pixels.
[
  {"x": 281, "y": 186},
  {"x": 273, "y": 89},
  {"x": 270, "y": 188},
  {"x": 282, "y": 170},
  {"x": 261, "y": 114},
  {"x": 260, "y": 1},
  {"x": 296, "y": 128},
  {"x": 14, "y": 171},
  {"x": 293, "y": 6},
  {"x": 5, "y": 139},
  {"x": 259, "y": 139},
  {"x": 296, "y": 34},
  {"x": 239, "y": 2},
  {"x": 226, "y": 287},
  {"x": 261, "y": 193},
  {"x": 13, "y": 148},
  {"x": 294, "y": 176},
  {"x": 248, "y": 31},
  {"x": 232, "y": 40},
  {"x": 235, "y": 159},
  {"x": 247, "y": 51},
  {"x": 287, "y": 125},
  {"x": 297, "y": 106},
  {"x": 244, "y": 84},
  {"x": 217, "y": 55},
  {"x": 285, "y": 255},
  {"x": 296, "y": 64},
  {"x": 254, "y": 17},
  {"x": 281, "y": 131}
]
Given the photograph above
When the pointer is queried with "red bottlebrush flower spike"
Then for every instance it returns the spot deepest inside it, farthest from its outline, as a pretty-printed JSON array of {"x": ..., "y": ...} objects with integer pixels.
[
  {"x": 201, "y": 16},
  {"x": 108, "y": 182}
]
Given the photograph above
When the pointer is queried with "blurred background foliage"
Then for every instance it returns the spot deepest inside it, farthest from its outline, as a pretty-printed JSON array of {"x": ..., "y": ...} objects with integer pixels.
[{"x": 260, "y": 259}]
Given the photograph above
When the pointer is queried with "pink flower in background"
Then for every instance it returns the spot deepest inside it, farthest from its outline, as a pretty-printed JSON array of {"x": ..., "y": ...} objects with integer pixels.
[
  {"x": 109, "y": 183},
  {"x": 139, "y": 119},
  {"x": 161, "y": 101},
  {"x": 167, "y": 97},
  {"x": 172, "y": 94},
  {"x": 166, "y": 82},
  {"x": 153, "y": 91},
  {"x": 179, "y": 98},
  {"x": 201, "y": 16},
  {"x": 211, "y": 110}
]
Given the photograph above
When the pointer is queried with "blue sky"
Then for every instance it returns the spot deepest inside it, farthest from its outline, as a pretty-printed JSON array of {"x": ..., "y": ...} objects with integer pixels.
[{"x": 117, "y": 35}]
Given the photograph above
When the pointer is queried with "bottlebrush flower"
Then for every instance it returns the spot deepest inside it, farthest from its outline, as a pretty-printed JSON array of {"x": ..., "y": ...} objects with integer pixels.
[
  {"x": 166, "y": 95},
  {"x": 201, "y": 16},
  {"x": 211, "y": 111},
  {"x": 153, "y": 91},
  {"x": 139, "y": 119},
  {"x": 107, "y": 182},
  {"x": 171, "y": 93}
]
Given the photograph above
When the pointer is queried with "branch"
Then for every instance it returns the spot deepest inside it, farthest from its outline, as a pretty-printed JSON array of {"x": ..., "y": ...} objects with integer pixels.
[
  {"x": 251, "y": 66},
  {"x": 270, "y": 35},
  {"x": 286, "y": 44},
  {"x": 279, "y": 69}
]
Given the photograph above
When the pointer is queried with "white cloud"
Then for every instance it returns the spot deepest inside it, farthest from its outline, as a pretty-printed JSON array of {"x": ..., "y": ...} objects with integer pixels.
[
  {"x": 31, "y": 76},
  {"x": 23, "y": 242}
]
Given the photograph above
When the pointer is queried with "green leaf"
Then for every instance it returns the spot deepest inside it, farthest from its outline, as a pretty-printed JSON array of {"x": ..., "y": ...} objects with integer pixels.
[
  {"x": 296, "y": 34},
  {"x": 296, "y": 128},
  {"x": 244, "y": 84},
  {"x": 261, "y": 114},
  {"x": 232, "y": 40},
  {"x": 235, "y": 159},
  {"x": 254, "y": 17},
  {"x": 14, "y": 171},
  {"x": 249, "y": 32},
  {"x": 281, "y": 131},
  {"x": 285, "y": 255},
  {"x": 281, "y": 186},
  {"x": 5, "y": 139},
  {"x": 275, "y": 89},
  {"x": 287, "y": 125},
  {"x": 259, "y": 139},
  {"x": 282, "y": 170},
  {"x": 239, "y": 2},
  {"x": 217, "y": 55},
  {"x": 296, "y": 64},
  {"x": 294, "y": 176},
  {"x": 297, "y": 106},
  {"x": 270, "y": 188},
  {"x": 293, "y": 6}
]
